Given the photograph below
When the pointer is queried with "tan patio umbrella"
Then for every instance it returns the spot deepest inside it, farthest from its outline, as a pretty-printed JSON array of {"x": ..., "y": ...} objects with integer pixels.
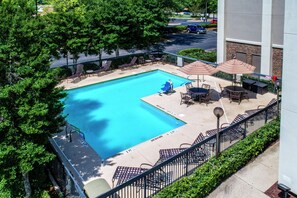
[
  {"x": 198, "y": 68},
  {"x": 235, "y": 66}
]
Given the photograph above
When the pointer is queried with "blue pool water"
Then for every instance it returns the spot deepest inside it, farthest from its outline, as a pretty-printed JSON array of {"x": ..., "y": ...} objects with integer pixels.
[{"x": 113, "y": 117}]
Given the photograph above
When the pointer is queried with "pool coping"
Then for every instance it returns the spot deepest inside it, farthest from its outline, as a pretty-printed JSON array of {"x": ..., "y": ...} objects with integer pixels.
[{"x": 136, "y": 154}]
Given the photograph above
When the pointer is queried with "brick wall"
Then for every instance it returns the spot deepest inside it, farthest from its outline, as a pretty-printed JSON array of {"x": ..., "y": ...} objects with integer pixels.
[
  {"x": 277, "y": 55},
  {"x": 232, "y": 48},
  {"x": 277, "y": 61},
  {"x": 248, "y": 49}
]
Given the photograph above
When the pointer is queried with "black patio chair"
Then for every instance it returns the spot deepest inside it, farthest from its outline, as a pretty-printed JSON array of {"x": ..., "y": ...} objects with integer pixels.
[
  {"x": 252, "y": 111},
  {"x": 198, "y": 155},
  {"x": 125, "y": 173},
  {"x": 234, "y": 132},
  {"x": 185, "y": 98},
  {"x": 223, "y": 91},
  {"x": 235, "y": 96}
]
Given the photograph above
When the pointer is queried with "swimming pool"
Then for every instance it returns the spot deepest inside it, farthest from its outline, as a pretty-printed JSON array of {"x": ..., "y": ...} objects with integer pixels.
[{"x": 112, "y": 115}]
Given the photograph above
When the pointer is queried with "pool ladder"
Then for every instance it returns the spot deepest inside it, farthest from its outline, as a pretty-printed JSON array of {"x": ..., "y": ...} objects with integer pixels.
[{"x": 69, "y": 129}]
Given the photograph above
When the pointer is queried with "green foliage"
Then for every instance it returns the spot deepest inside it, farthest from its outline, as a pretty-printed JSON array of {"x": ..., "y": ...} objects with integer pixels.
[
  {"x": 209, "y": 25},
  {"x": 212, "y": 173},
  {"x": 199, "y": 54},
  {"x": 30, "y": 108},
  {"x": 224, "y": 75},
  {"x": 175, "y": 29}
]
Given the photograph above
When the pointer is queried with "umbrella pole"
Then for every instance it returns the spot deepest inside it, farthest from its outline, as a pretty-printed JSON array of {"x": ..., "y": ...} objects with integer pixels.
[{"x": 198, "y": 81}]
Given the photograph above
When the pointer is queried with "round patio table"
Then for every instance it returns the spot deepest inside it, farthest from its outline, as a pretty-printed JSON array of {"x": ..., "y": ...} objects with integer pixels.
[
  {"x": 235, "y": 88},
  {"x": 197, "y": 91},
  {"x": 230, "y": 89}
]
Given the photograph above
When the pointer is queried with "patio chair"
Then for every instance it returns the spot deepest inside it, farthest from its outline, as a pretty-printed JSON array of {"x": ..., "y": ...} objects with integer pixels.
[
  {"x": 105, "y": 67},
  {"x": 271, "y": 112},
  {"x": 188, "y": 87},
  {"x": 78, "y": 73},
  {"x": 235, "y": 132},
  {"x": 186, "y": 99},
  {"x": 141, "y": 60},
  {"x": 157, "y": 179},
  {"x": 96, "y": 187},
  {"x": 205, "y": 98},
  {"x": 125, "y": 173},
  {"x": 252, "y": 111},
  {"x": 205, "y": 86},
  {"x": 132, "y": 63},
  {"x": 153, "y": 180},
  {"x": 245, "y": 95},
  {"x": 163, "y": 59},
  {"x": 198, "y": 155},
  {"x": 235, "y": 96},
  {"x": 223, "y": 91},
  {"x": 152, "y": 58}
]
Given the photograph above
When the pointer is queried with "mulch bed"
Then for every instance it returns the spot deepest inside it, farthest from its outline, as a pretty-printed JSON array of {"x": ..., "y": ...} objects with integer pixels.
[{"x": 274, "y": 192}]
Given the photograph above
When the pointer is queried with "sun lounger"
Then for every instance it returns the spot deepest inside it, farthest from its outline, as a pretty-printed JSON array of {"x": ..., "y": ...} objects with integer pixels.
[
  {"x": 197, "y": 155},
  {"x": 105, "y": 67},
  {"x": 153, "y": 180},
  {"x": 252, "y": 111},
  {"x": 132, "y": 63},
  {"x": 79, "y": 71}
]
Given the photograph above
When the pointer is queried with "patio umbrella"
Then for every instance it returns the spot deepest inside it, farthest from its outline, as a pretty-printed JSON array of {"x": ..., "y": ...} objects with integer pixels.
[
  {"x": 235, "y": 66},
  {"x": 198, "y": 68}
]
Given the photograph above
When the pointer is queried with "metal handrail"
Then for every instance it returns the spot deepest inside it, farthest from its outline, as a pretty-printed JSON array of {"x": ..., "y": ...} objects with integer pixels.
[{"x": 181, "y": 154}]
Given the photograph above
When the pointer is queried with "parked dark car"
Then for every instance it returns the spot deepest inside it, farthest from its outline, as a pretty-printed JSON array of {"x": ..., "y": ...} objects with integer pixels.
[{"x": 198, "y": 29}]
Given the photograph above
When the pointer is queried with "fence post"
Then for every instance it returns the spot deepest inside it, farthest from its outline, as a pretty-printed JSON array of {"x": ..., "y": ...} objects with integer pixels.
[
  {"x": 266, "y": 115},
  {"x": 187, "y": 162},
  {"x": 144, "y": 192},
  {"x": 245, "y": 126}
]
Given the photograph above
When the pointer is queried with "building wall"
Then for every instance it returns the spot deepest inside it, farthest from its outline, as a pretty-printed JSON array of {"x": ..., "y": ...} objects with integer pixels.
[
  {"x": 288, "y": 135},
  {"x": 277, "y": 61},
  {"x": 243, "y": 19},
  {"x": 277, "y": 26},
  {"x": 233, "y": 48},
  {"x": 252, "y": 23}
]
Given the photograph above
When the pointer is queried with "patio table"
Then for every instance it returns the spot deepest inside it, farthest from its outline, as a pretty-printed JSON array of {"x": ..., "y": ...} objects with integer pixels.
[
  {"x": 196, "y": 92},
  {"x": 230, "y": 89}
]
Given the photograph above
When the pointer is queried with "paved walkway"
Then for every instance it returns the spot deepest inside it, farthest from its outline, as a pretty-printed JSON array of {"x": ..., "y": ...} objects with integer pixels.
[{"x": 254, "y": 179}]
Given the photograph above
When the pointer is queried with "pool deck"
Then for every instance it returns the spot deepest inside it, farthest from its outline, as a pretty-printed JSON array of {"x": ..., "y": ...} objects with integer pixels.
[{"x": 199, "y": 118}]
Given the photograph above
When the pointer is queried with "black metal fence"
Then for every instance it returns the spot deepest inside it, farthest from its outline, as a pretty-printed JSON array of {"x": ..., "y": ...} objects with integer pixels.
[{"x": 153, "y": 180}]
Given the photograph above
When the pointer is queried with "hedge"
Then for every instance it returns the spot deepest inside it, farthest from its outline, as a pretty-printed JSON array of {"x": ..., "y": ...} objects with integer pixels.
[
  {"x": 200, "y": 54},
  {"x": 212, "y": 173}
]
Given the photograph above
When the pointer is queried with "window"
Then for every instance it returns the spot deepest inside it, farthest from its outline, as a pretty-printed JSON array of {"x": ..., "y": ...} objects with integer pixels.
[
  {"x": 256, "y": 61},
  {"x": 241, "y": 56}
]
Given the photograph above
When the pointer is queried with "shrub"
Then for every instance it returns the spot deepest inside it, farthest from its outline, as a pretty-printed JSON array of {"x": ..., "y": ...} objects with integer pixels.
[
  {"x": 175, "y": 29},
  {"x": 200, "y": 54},
  {"x": 212, "y": 173},
  {"x": 209, "y": 25}
]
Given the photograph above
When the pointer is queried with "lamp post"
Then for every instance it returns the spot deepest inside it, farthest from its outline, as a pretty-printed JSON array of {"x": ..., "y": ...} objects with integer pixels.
[{"x": 218, "y": 112}]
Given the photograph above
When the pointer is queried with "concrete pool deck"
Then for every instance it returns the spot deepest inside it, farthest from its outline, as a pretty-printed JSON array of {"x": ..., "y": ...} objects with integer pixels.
[{"x": 199, "y": 118}]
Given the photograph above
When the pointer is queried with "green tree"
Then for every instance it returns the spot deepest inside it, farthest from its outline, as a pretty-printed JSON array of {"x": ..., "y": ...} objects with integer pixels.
[{"x": 30, "y": 107}]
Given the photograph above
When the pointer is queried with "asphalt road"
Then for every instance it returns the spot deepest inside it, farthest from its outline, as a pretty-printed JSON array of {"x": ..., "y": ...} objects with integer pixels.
[{"x": 173, "y": 44}]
